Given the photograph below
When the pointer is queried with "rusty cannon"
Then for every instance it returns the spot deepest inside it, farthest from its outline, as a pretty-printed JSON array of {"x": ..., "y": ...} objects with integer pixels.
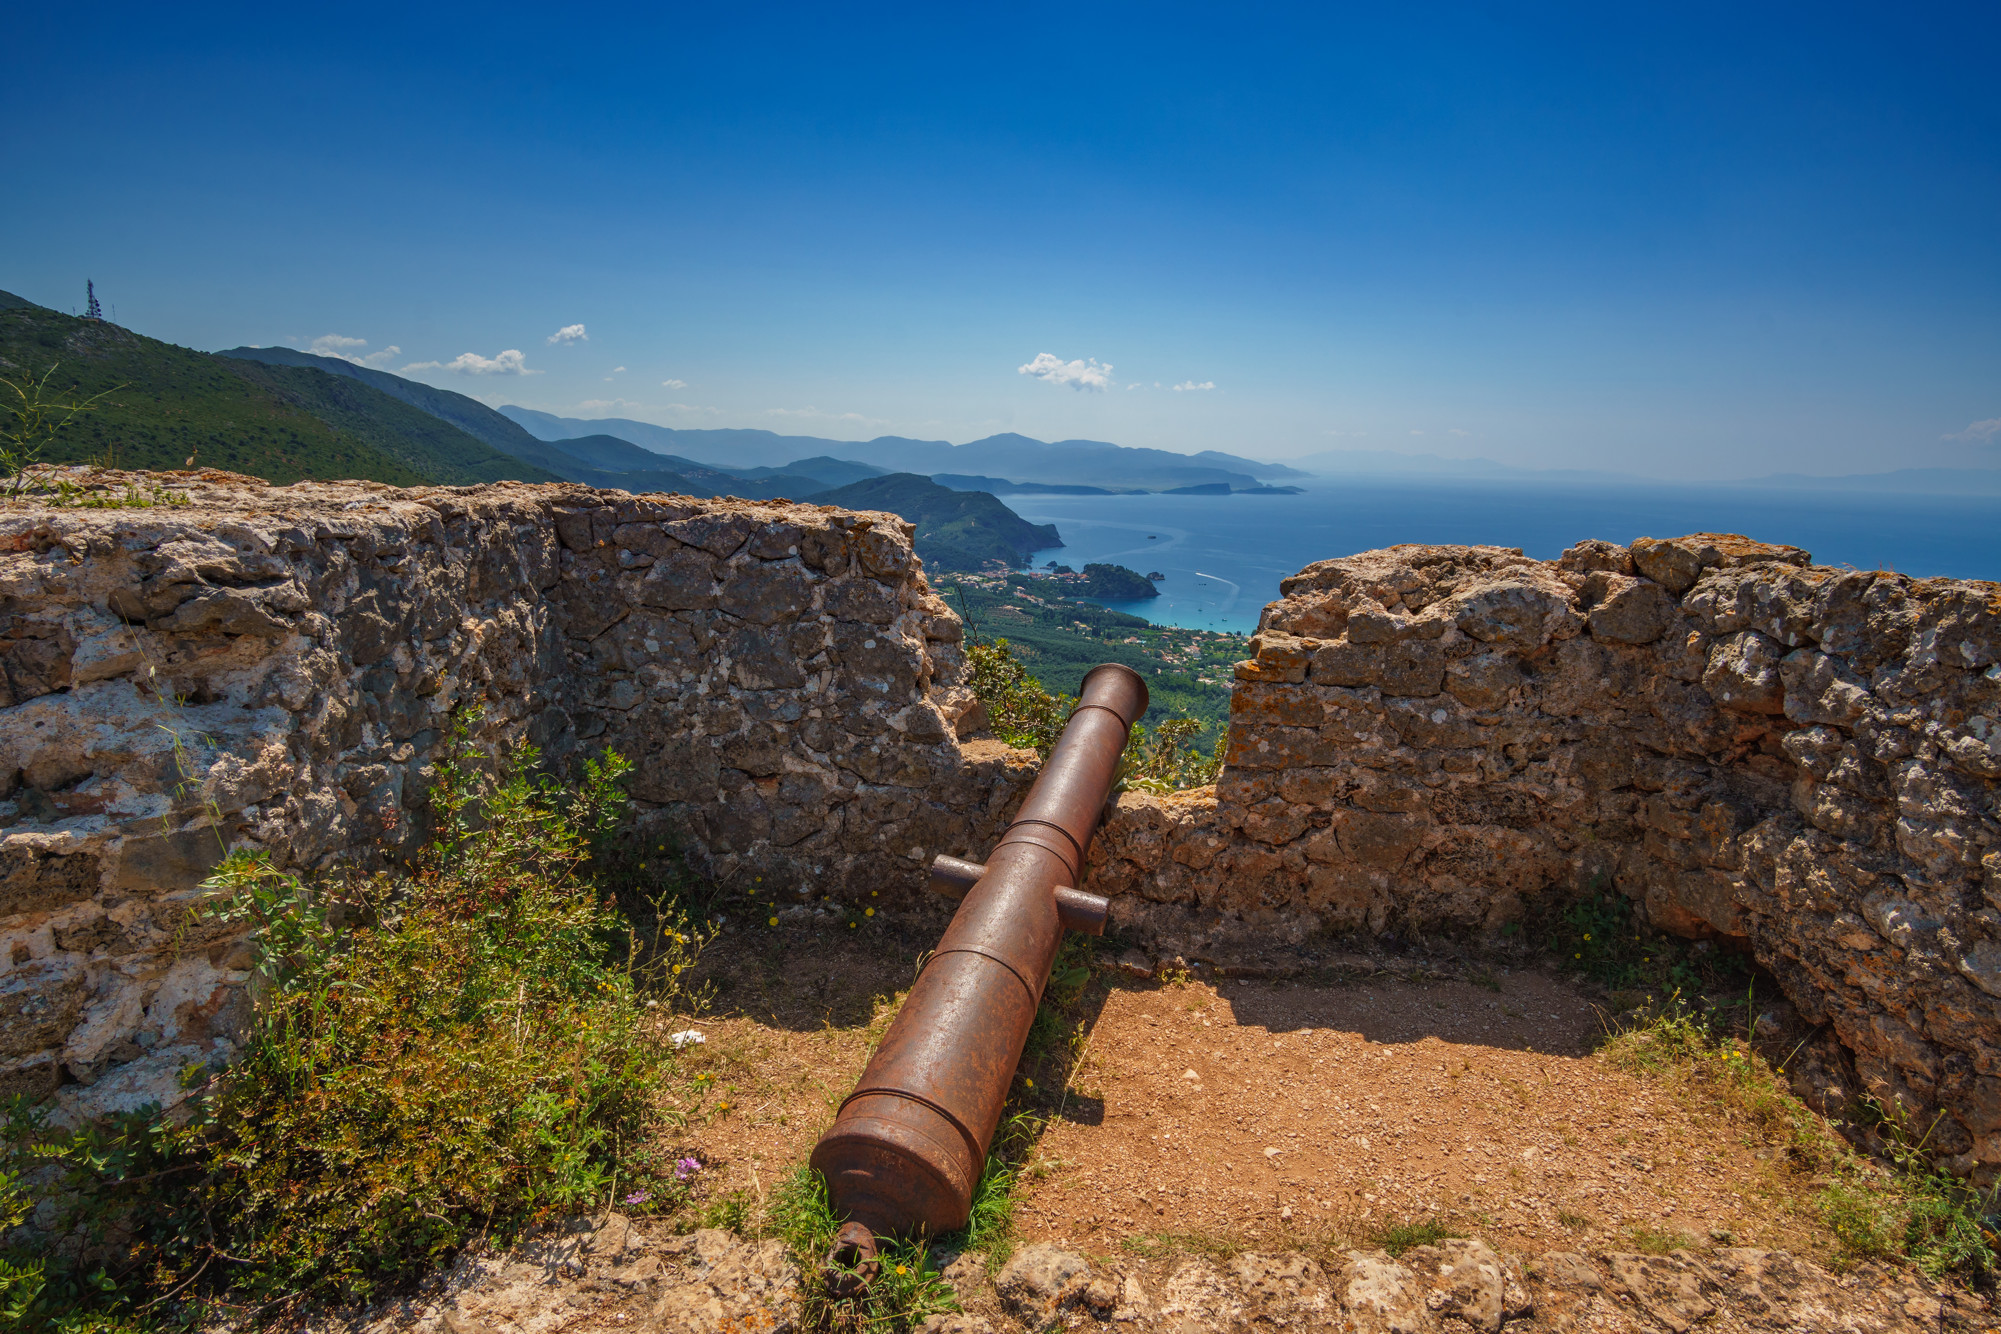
[{"x": 908, "y": 1145}]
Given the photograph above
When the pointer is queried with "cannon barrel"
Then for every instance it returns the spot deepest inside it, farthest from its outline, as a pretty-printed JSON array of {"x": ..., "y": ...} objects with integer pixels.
[{"x": 908, "y": 1145}]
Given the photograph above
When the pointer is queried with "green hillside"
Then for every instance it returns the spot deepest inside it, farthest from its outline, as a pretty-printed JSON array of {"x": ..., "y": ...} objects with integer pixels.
[
  {"x": 956, "y": 530},
  {"x": 172, "y": 402},
  {"x": 427, "y": 445},
  {"x": 470, "y": 415}
]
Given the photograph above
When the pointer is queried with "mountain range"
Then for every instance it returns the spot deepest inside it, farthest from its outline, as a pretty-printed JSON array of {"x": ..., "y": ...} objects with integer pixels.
[
  {"x": 291, "y": 416},
  {"x": 1383, "y": 464},
  {"x": 1015, "y": 458}
]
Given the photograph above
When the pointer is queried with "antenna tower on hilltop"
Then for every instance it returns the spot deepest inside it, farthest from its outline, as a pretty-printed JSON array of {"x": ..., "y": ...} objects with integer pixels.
[{"x": 93, "y": 311}]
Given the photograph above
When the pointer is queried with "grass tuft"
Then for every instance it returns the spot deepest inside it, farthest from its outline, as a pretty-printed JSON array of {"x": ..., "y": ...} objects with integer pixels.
[
  {"x": 1400, "y": 1237},
  {"x": 1907, "y": 1209},
  {"x": 907, "y": 1288},
  {"x": 1157, "y": 1245},
  {"x": 1658, "y": 1241}
]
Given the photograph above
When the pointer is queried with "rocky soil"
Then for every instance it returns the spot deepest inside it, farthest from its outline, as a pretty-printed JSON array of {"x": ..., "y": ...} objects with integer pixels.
[{"x": 610, "y": 1274}]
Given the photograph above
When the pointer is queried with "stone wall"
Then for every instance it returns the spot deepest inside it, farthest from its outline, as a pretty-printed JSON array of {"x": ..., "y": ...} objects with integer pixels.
[
  {"x": 1794, "y": 760},
  {"x": 274, "y": 668},
  {"x": 1797, "y": 760}
]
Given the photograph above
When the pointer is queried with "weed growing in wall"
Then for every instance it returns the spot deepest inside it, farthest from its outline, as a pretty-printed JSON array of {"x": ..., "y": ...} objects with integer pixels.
[
  {"x": 436, "y": 1057},
  {"x": 1599, "y": 936},
  {"x": 34, "y": 419}
]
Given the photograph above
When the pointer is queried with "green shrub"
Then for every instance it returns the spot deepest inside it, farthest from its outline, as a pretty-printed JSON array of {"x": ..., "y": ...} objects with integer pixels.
[
  {"x": 1019, "y": 710},
  {"x": 1167, "y": 760},
  {"x": 37, "y": 421},
  {"x": 1022, "y": 713},
  {"x": 473, "y": 1053}
]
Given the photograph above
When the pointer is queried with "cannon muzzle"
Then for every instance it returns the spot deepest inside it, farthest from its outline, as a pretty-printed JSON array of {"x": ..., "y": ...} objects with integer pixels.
[{"x": 908, "y": 1145}]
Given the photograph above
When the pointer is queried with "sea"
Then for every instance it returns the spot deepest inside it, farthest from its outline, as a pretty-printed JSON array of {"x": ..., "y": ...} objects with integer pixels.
[{"x": 1223, "y": 556}]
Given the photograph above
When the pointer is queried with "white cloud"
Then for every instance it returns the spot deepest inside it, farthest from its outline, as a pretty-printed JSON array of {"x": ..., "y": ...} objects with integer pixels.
[
  {"x": 1456, "y": 431},
  {"x": 673, "y": 384},
  {"x": 1187, "y": 385},
  {"x": 1984, "y": 431},
  {"x": 618, "y": 370},
  {"x": 569, "y": 333},
  {"x": 334, "y": 345},
  {"x": 1086, "y": 374},
  {"x": 510, "y": 362},
  {"x": 1417, "y": 432}
]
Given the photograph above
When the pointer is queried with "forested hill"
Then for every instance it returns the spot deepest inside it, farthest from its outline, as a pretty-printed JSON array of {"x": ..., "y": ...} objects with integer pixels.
[
  {"x": 164, "y": 404},
  {"x": 173, "y": 403},
  {"x": 468, "y": 414},
  {"x": 956, "y": 530}
]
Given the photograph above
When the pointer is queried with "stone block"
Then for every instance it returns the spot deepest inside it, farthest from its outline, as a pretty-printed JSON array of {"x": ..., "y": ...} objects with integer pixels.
[
  {"x": 37, "y": 879},
  {"x": 682, "y": 580},
  {"x": 154, "y": 864}
]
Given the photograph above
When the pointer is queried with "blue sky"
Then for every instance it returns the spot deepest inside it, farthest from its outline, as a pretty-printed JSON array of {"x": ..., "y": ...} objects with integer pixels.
[{"x": 1691, "y": 240}]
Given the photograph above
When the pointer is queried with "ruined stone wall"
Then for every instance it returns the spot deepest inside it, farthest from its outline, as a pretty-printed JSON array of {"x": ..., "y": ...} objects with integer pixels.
[
  {"x": 275, "y": 668},
  {"x": 1798, "y": 760},
  {"x": 1795, "y": 760}
]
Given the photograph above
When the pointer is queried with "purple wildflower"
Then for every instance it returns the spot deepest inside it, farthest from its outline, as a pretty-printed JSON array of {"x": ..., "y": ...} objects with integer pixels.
[
  {"x": 638, "y": 1197},
  {"x": 686, "y": 1168}
]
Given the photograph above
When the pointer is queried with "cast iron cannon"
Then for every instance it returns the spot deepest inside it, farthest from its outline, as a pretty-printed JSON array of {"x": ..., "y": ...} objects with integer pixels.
[{"x": 908, "y": 1145}]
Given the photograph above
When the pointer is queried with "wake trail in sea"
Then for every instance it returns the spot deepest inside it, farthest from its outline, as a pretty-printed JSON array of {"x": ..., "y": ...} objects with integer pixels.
[{"x": 1235, "y": 589}]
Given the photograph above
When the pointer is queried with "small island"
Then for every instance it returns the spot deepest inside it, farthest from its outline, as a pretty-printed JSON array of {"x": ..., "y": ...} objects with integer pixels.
[{"x": 1114, "y": 583}]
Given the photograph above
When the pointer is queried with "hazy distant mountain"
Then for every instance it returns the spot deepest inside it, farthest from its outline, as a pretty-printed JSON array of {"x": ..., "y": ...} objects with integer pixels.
[
  {"x": 1904, "y": 481},
  {"x": 1001, "y": 486},
  {"x": 832, "y": 472},
  {"x": 1382, "y": 463},
  {"x": 1016, "y": 458},
  {"x": 1389, "y": 463},
  {"x": 595, "y": 459},
  {"x": 956, "y": 530}
]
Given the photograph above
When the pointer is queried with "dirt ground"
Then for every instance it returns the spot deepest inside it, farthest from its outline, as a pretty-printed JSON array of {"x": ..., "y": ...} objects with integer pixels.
[{"x": 1205, "y": 1114}]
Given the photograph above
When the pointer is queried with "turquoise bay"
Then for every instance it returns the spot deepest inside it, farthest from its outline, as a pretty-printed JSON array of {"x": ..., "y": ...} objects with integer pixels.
[{"x": 1223, "y": 556}]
